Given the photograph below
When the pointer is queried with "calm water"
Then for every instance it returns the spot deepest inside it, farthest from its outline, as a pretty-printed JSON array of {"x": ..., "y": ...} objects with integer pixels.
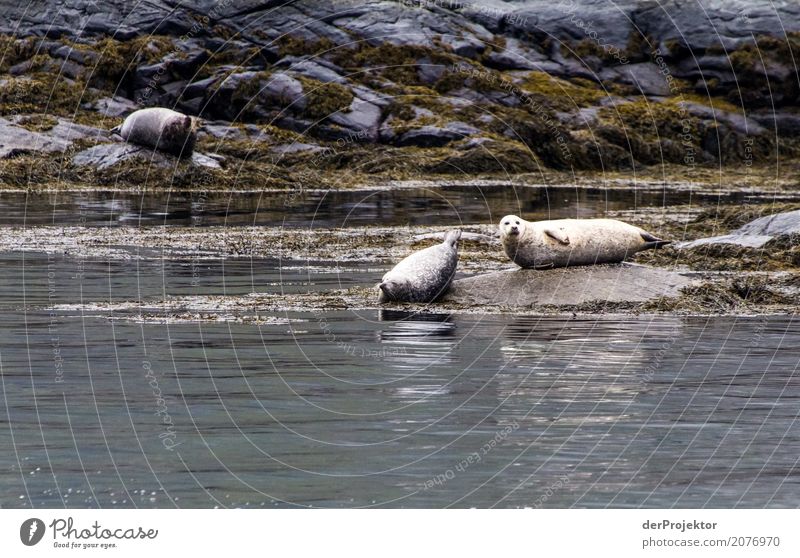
[{"x": 374, "y": 408}]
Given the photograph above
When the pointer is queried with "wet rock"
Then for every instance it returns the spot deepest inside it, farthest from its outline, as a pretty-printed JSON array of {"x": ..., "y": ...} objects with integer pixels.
[
  {"x": 15, "y": 140},
  {"x": 221, "y": 131},
  {"x": 232, "y": 94},
  {"x": 735, "y": 121},
  {"x": 706, "y": 68},
  {"x": 284, "y": 90},
  {"x": 435, "y": 136},
  {"x": 186, "y": 63},
  {"x": 395, "y": 23},
  {"x": 71, "y": 70},
  {"x": 646, "y": 77},
  {"x": 574, "y": 20},
  {"x": 198, "y": 89},
  {"x": 514, "y": 57},
  {"x": 106, "y": 156},
  {"x": 734, "y": 21},
  {"x": 296, "y": 147},
  {"x": 784, "y": 123},
  {"x": 467, "y": 47},
  {"x": 569, "y": 286},
  {"x": 320, "y": 70},
  {"x": 68, "y": 131},
  {"x": 80, "y": 56},
  {"x": 360, "y": 121},
  {"x": 754, "y": 234},
  {"x": 429, "y": 72}
]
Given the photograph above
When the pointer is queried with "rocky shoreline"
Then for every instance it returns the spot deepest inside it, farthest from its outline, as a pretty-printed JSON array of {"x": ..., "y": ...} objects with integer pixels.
[{"x": 347, "y": 92}]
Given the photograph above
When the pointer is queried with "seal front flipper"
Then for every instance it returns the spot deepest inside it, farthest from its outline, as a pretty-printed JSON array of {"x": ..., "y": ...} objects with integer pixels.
[
  {"x": 652, "y": 241},
  {"x": 557, "y": 234}
]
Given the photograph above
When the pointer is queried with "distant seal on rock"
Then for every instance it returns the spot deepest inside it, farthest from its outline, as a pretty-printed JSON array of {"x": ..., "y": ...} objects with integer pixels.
[
  {"x": 566, "y": 242},
  {"x": 423, "y": 276},
  {"x": 162, "y": 129}
]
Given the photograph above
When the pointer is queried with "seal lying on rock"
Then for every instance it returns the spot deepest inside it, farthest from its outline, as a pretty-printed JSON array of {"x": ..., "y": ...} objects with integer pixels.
[
  {"x": 162, "y": 129},
  {"x": 423, "y": 276},
  {"x": 566, "y": 242}
]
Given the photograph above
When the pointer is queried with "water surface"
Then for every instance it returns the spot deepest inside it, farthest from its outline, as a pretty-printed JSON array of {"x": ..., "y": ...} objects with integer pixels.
[{"x": 104, "y": 408}]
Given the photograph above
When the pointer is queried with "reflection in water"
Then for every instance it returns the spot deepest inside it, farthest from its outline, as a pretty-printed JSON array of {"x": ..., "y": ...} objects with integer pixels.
[
  {"x": 416, "y": 206},
  {"x": 422, "y": 343}
]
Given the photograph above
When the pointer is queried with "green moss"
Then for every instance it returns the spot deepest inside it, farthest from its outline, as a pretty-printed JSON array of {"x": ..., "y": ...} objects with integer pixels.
[
  {"x": 249, "y": 88},
  {"x": 295, "y": 46},
  {"x": 119, "y": 57},
  {"x": 503, "y": 157},
  {"x": 13, "y": 51},
  {"x": 562, "y": 94},
  {"x": 397, "y": 63},
  {"x": 653, "y": 120},
  {"x": 38, "y": 122},
  {"x": 401, "y": 111},
  {"x": 324, "y": 99},
  {"x": 42, "y": 91},
  {"x": 757, "y": 87}
]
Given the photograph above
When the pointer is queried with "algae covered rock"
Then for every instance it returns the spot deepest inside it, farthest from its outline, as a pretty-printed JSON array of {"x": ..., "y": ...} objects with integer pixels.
[{"x": 755, "y": 234}]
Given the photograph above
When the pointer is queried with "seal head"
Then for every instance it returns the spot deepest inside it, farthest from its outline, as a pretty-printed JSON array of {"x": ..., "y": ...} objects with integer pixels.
[{"x": 511, "y": 226}]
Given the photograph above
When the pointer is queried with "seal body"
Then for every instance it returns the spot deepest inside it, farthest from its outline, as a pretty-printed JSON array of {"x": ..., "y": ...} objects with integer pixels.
[
  {"x": 423, "y": 276},
  {"x": 160, "y": 128},
  {"x": 566, "y": 242}
]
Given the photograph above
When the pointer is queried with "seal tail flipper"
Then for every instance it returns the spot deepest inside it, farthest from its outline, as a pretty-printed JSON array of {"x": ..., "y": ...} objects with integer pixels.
[{"x": 652, "y": 242}]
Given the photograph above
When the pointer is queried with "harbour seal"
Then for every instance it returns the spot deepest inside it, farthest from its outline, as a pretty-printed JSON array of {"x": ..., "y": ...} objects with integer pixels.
[
  {"x": 162, "y": 129},
  {"x": 423, "y": 276},
  {"x": 566, "y": 242}
]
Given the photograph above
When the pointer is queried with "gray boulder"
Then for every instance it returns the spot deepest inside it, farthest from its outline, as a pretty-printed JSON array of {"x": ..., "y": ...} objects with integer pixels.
[
  {"x": 15, "y": 140},
  {"x": 319, "y": 70},
  {"x": 112, "y": 106},
  {"x": 360, "y": 121},
  {"x": 284, "y": 90},
  {"x": 755, "y": 234},
  {"x": 646, "y": 77},
  {"x": 106, "y": 156},
  {"x": 435, "y": 136},
  {"x": 569, "y": 286}
]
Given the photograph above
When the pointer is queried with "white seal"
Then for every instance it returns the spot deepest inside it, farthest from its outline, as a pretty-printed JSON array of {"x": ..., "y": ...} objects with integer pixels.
[
  {"x": 423, "y": 276},
  {"x": 566, "y": 242},
  {"x": 162, "y": 129}
]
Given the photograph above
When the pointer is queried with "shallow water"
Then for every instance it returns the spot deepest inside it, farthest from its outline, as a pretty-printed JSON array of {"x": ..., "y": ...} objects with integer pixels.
[
  {"x": 417, "y": 206},
  {"x": 375, "y": 408}
]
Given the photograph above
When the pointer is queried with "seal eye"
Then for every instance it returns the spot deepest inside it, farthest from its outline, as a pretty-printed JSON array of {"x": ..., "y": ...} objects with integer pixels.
[
  {"x": 506, "y": 223},
  {"x": 517, "y": 222}
]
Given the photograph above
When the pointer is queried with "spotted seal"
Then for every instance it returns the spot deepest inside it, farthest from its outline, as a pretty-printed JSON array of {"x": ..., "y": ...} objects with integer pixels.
[
  {"x": 423, "y": 276},
  {"x": 567, "y": 242},
  {"x": 162, "y": 129}
]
